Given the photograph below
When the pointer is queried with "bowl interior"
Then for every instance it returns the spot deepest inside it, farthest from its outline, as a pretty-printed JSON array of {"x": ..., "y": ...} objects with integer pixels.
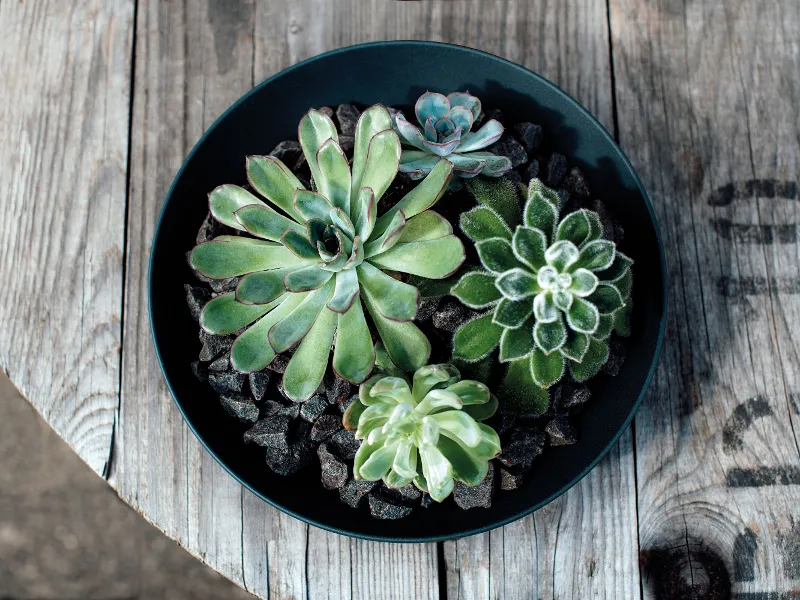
[{"x": 397, "y": 73}]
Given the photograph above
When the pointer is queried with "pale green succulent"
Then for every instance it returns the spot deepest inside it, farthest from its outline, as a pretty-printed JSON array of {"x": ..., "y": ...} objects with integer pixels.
[
  {"x": 446, "y": 122},
  {"x": 314, "y": 258},
  {"x": 428, "y": 433},
  {"x": 556, "y": 289}
]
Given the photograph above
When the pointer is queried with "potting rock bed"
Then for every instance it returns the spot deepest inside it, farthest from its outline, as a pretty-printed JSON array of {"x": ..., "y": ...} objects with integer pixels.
[{"x": 295, "y": 435}]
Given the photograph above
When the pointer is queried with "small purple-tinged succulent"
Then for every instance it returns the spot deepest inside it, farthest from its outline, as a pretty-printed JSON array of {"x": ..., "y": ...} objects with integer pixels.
[{"x": 445, "y": 132}]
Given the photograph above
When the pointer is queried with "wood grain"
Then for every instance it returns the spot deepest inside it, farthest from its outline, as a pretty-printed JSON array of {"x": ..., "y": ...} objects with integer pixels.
[
  {"x": 705, "y": 108},
  {"x": 64, "y": 106}
]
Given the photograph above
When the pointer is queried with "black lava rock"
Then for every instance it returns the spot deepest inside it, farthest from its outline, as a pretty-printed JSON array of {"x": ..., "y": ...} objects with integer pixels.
[
  {"x": 279, "y": 363},
  {"x": 616, "y": 357},
  {"x": 313, "y": 408},
  {"x": 514, "y": 177},
  {"x": 226, "y": 382},
  {"x": 347, "y": 115},
  {"x": 407, "y": 495},
  {"x": 285, "y": 463},
  {"x": 272, "y": 407},
  {"x": 479, "y": 496},
  {"x": 287, "y": 151},
  {"x": 334, "y": 470},
  {"x": 502, "y": 420},
  {"x": 272, "y": 432},
  {"x": 347, "y": 143},
  {"x": 522, "y": 445},
  {"x": 326, "y": 110},
  {"x": 200, "y": 370},
  {"x": 337, "y": 389},
  {"x": 493, "y": 113},
  {"x": 343, "y": 406},
  {"x": 221, "y": 286},
  {"x": 509, "y": 147},
  {"x": 575, "y": 183},
  {"x": 427, "y": 306},
  {"x": 345, "y": 444},
  {"x": 450, "y": 315},
  {"x": 529, "y": 134},
  {"x": 531, "y": 171},
  {"x": 240, "y": 406},
  {"x": 510, "y": 479},
  {"x": 561, "y": 432},
  {"x": 569, "y": 395},
  {"x": 259, "y": 382},
  {"x": 211, "y": 228},
  {"x": 325, "y": 427},
  {"x": 223, "y": 363},
  {"x": 556, "y": 170},
  {"x": 213, "y": 345},
  {"x": 381, "y": 507},
  {"x": 427, "y": 501},
  {"x": 353, "y": 492},
  {"x": 605, "y": 219},
  {"x": 196, "y": 298}
]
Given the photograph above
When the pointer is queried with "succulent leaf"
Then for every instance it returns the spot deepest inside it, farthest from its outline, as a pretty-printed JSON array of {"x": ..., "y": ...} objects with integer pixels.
[
  {"x": 273, "y": 180},
  {"x": 546, "y": 369},
  {"x": 516, "y": 343},
  {"x": 311, "y": 205},
  {"x": 486, "y": 136},
  {"x": 225, "y": 200},
  {"x": 223, "y": 315},
  {"x": 372, "y": 121},
  {"x": 607, "y": 298},
  {"x": 354, "y": 353},
  {"x": 511, "y": 314},
  {"x": 367, "y": 214},
  {"x": 466, "y": 100},
  {"x": 394, "y": 299},
  {"x": 382, "y": 162},
  {"x": 291, "y": 329},
  {"x": 497, "y": 255},
  {"x": 389, "y": 237},
  {"x": 424, "y": 227},
  {"x": 433, "y": 259},
  {"x": 594, "y": 359},
  {"x": 406, "y": 345},
  {"x": 477, "y": 290},
  {"x": 263, "y": 222},
  {"x": 334, "y": 175},
  {"x": 596, "y": 256},
  {"x": 306, "y": 279},
  {"x": 238, "y": 256},
  {"x": 308, "y": 364},
  {"x": 426, "y": 436},
  {"x": 576, "y": 346},
  {"x": 520, "y": 393},
  {"x": 431, "y": 104},
  {"x": 500, "y": 195},
  {"x": 314, "y": 130},
  {"x": 262, "y": 287},
  {"x": 482, "y": 223},
  {"x": 477, "y": 338},
  {"x": 516, "y": 284}
]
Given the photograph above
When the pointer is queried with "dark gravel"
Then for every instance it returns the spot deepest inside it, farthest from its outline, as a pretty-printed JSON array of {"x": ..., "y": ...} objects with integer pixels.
[
  {"x": 427, "y": 307},
  {"x": 345, "y": 444},
  {"x": 279, "y": 363},
  {"x": 287, "y": 151},
  {"x": 530, "y": 135},
  {"x": 556, "y": 170},
  {"x": 353, "y": 492},
  {"x": 450, "y": 315},
  {"x": 325, "y": 427},
  {"x": 347, "y": 116},
  {"x": 259, "y": 383},
  {"x": 521, "y": 446},
  {"x": 531, "y": 171},
  {"x": 226, "y": 382},
  {"x": 479, "y": 496},
  {"x": 196, "y": 299},
  {"x": 214, "y": 345},
  {"x": 576, "y": 184},
  {"x": 380, "y": 507},
  {"x": 300, "y": 453},
  {"x": 240, "y": 406},
  {"x": 616, "y": 357},
  {"x": 337, "y": 389},
  {"x": 313, "y": 408},
  {"x": 511, "y": 479},
  {"x": 272, "y": 432},
  {"x": 334, "y": 469},
  {"x": 223, "y": 363},
  {"x": 511, "y": 148},
  {"x": 561, "y": 432}
]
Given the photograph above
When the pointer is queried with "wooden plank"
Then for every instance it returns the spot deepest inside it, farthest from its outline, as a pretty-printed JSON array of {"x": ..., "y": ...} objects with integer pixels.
[
  {"x": 709, "y": 117},
  {"x": 64, "y": 107}
]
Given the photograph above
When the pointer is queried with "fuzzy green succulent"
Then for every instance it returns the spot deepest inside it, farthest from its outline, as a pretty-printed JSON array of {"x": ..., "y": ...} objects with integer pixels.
[
  {"x": 428, "y": 432},
  {"x": 557, "y": 288},
  {"x": 446, "y": 122},
  {"x": 316, "y": 254}
]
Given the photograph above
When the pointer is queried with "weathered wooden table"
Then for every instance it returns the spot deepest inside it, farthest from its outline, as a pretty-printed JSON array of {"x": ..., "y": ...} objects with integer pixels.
[{"x": 101, "y": 100}]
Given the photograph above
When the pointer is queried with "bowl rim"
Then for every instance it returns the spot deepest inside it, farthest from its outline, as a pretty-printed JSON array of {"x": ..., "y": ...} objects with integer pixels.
[{"x": 567, "y": 99}]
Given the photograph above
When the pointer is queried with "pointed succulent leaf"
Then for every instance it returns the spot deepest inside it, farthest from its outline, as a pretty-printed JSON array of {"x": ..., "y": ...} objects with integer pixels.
[
  {"x": 431, "y": 104},
  {"x": 339, "y": 219},
  {"x": 365, "y": 451},
  {"x": 597, "y": 255},
  {"x": 618, "y": 268},
  {"x": 314, "y": 130},
  {"x": 416, "y": 166},
  {"x": 392, "y": 388},
  {"x": 466, "y": 165},
  {"x": 354, "y": 354},
  {"x": 433, "y": 376},
  {"x": 470, "y": 391},
  {"x": 546, "y": 369},
  {"x": 544, "y": 307},
  {"x": 562, "y": 300},
  {"x": 444, "y": 127},
  {"x": 497, "y": 255},
  {"x": 251, "y": 351},
  {"x": 466, "y": 100},
  {"x": 275, "y": 181},
  {"x": 516, "y": 343},
  {"x": 583, "y": 316},
  {"x": 290, "y": 330},
  {"x": 622, "y": 320},
  {"x": 481, "y": 412},
  {"x": 605, "y": 326},
  {"x": 352, "y": 415},
  {"x": 334, "y": 173},
  {"x": 512, "y": 313},
  {"x": 239, "y": 256},
  {"x": 561, "y": 255},
  {"x": 421, "y": 198},
  {"x": 584, "y": 282},
  {"x": 312, "y": 206},
  {"x": 437, "y": 401},
  {"x": 261, "y": 221},
  {"x": 356, "y": 255},
  {"x": 516, "y": 284},
  {"x": 405, "y": 461},
  {"x": 476, "y": 289},
  {"x": 495, "y": 165},
  {"x": 500, "y": 195},
  {"x": 345, "y": 291},
  {"x": 549, "y": 337},
  {"x": 382, "y": 163},
  {"x": 367, "y": 214},
  {"x": 262, "y": 287},
  {"x": 521, "y": 394},
  {"x": 393, "y": 298},
  {"x": 576, "y": 346},
  {"x": 308, "y": 364},
  {"x": 460, "y": 425},
  {"x": 406, "y": 345},
  {"x": 315, "y": 230},
  {"x": 594, "y": 359},
  {"x": 466, "y": 467},
  {"x": 541, "y": 209},
  {"x": 371, "y": 122},
  {"x": 441, "y": 148},
  {"x": 424, "y": 227},
  {"x": 334, "y": 264},
  {"x": 225, "y": 200},
  {"x": 576, "y": 227},
  {"x": 438, "y": 472},
  {"x": 378, "y": 464},
  {"x": 306, "y": 279},
  {"x": 487, "y": 135},
  {"x": 624, "y": 284},
  {"x": 461, "y": 117},
  {"x": 429, "y": 129},
  {"x": 530, "y": 246},
  {"x": 224, "y": 315},
  {"x": 482, "y": 223},
  {"x": 434, "y": 259},
  {"x": 299, "y": 245},
  {"x": 606, "y": 298},
  {"x": 388, "y": 238},
  {"x": 477, "y": 338}
]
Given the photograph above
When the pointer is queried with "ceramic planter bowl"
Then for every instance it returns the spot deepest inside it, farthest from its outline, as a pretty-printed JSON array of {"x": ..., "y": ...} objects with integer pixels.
[{"x": 397, "y": 73}]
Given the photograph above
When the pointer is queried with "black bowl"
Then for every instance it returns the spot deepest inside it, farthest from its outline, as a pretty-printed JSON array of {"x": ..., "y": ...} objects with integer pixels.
[{"x": 397, "y": 73}]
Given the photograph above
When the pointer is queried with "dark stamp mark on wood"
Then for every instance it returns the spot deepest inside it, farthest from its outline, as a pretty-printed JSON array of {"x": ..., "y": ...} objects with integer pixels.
[
  {"x": 686, "y": 571},
  {"x": 764, "y": 476},
  {"x": 733, "y": 287},
  {"x": 744, "y": 556},
  {"x": 741, "y": 418},
  {"x": 753, "y": 188},
  {"x": 790, "y": 545},
  {"x": 755, "y": 234}
]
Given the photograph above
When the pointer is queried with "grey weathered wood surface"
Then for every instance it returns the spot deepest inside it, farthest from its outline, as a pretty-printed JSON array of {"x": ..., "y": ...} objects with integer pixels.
[{"x": 702, "y": 493}]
